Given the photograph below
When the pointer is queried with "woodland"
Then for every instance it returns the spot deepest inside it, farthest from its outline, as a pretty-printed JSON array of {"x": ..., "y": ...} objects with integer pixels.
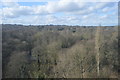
[{"x": 59, "y": 51}]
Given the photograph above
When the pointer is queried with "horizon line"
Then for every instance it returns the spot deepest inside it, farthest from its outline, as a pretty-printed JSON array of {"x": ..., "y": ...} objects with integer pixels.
[{"x": 54, "y": 25}]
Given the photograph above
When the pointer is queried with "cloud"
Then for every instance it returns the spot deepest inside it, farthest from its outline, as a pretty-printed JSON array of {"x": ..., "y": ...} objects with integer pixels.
[
  {"x": 73, "y": 12},
  {"x": 16, "y": 11},
  {"x": 70, "y": 6},
  {"x": 63, "y": 6},
  {"x": 40, "y": 10},
  {"x": 104, "y": 17},
  {"x": 9, "y": 12},
  {"x": 24, "y": 10},
  {"x": 10, "y": 4},
  {"x": 50, "y": 19},
  {"x": 105, "y": 9},
  {"x": 58, "y": 0}
]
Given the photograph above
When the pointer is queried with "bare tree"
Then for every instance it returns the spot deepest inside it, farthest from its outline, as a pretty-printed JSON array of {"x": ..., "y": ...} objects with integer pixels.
[{"x": 97, "y": 48}]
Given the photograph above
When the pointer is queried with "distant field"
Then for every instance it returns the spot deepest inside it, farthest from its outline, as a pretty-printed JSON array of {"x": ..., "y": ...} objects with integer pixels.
[{"x": 52, "y": 51}]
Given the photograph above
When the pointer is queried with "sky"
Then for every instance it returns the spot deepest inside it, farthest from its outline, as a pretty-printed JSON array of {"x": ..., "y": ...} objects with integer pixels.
[{"x": 59, "y": 12}]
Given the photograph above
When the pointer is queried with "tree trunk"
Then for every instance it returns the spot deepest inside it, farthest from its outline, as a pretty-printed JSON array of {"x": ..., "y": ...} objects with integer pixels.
[{"x": 97, "y": 48}]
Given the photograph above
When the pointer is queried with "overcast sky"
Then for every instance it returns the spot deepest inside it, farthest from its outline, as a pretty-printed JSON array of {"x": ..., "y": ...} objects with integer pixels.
[{"x": 59, "y": 12}]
